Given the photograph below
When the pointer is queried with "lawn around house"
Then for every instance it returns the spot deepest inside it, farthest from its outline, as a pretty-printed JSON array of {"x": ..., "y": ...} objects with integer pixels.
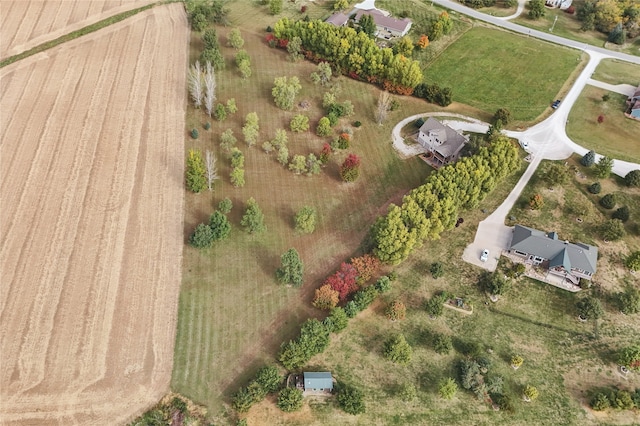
[
  {"x": 491, "y": 69},
  {"x": 616, "y": 136},
  {"x": 613, "y": 71}
]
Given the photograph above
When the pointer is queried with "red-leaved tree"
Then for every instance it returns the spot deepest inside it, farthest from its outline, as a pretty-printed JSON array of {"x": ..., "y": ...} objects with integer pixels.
[
  {"x": 350, "y": 169},
  {"x": 366, "y": 266},
  {"x": 344, "y": 280},
  {"x": 325, "y": 153}
]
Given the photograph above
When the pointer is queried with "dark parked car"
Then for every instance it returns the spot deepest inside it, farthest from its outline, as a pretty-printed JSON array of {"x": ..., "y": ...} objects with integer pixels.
[{"x": 556, "y": 104}]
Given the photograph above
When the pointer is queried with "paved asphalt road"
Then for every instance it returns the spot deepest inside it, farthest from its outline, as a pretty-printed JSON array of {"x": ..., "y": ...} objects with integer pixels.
[{"x": 546, "y": 140}]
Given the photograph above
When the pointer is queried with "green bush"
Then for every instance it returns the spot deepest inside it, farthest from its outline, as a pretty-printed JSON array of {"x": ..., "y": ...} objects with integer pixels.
[
  {"x": 600, "y": 402},
  {"x": 442, "y": 344},
  {"x": 437, "y": 270},
  {"x": 207, "y": 125},
  {"x": 364, "y": 297},
  {"x": 588, "y": 159},
  {"x": 383, "y": 284},
  {"x": 622, "y": 213},
  {"x": 357, "y": 124},
  {"x": 290, "y": 399},
  {"x": 202, "y": 237},
  {"x": 595, "y": 188},
  {"x": 633, "y": 178},
  {"x": 608, "y": 201},
  {"x": 194, "y": 133},
  {"x": 269, "y": 378},
  {"x": 351, "y": 309},
  {"x": 350, "y": 399},
  {"x": 339, "y": 319}
]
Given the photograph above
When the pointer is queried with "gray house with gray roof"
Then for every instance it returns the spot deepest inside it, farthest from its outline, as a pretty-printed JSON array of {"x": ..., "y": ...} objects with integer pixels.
[
  {"x": 562, "y": 258},
  {"x": 441, "y": 142},
  {"x": 317, "y": 382}
]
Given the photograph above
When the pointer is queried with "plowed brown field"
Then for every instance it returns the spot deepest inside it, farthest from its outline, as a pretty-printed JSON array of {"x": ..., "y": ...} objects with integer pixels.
[
  {"x": 26, "y": 24},
  {"x": 91, "y": 207}
]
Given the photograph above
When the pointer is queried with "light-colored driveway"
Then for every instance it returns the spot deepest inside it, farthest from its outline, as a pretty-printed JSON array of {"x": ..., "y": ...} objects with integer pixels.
[
  {"x": 519, "y": 10},
  {"x": 624, "y": 89}
]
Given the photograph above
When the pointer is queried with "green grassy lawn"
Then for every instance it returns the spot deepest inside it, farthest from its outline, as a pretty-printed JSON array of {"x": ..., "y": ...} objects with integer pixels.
[
  {"x": 233, "y": 316},
  {"x": 613, "y": 71},
  {"x": 567, "y": 26},
  {"x": 491, "y": 69},
  {"x": 617, "y": 136},
  {"x": 232, "y": 313}
]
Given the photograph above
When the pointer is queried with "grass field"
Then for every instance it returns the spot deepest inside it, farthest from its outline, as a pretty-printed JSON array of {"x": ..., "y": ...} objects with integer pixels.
[
  {"x": 491, "y": 69},
  {"x": 613, "y": 71},
  {"x": 617, "y": 136},
  {"x": 232, "y": 314}
]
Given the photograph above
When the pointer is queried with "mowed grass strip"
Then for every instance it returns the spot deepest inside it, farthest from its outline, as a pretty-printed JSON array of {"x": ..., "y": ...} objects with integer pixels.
[
  {"x": 613, "y": 71},
  {"x": 616, "y": 136},
  {"x": 233, "y": 316},
  {"x": 490, "y": 69}
]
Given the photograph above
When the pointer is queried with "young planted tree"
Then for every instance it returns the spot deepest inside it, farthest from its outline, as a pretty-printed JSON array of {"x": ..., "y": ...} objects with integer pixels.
[
  {"x": 322, "y": 74},
  {"x": 630, "y": 357},
  {"x": 227, "y": 140},
  {"x": 220, "y": 226},
  {"x": 530, "y": 393},
  {"x": 608, "y": 201},
  {"x": 291, "y": 269},
  {"x": 344, "y": 280},
  {"x": 202, "y": 237},
  {"x": 298, "y": 164},
  {"x": 253, "y": 218},
  {"x": 633, "y": 178},
  {"x": 350, "y": 399},
  {"x": 294, "y": 47},
  {"x": 437, "y": 270},
  {"x": 235, "y": 39},
  {"x": 442, "y": 344},
  {"x": 502, "y": 114},
  {"x": 326, "y": 298},
  {"x": 588, "y": 159},
  {"x": 398, "y": 350},
  {"x": 285, "y": 91},
  {"x": 447, "y": 388},
  {"x": 324, "y": 127},
  {"x": 220, "y": 113},
  {"x": 604, "y": 166},
  {"x": 269, "y": 378},
  {"x": 612, "y": 229},
  {"x": 194, "y": 78},
  {"x": 237, "y": 177},
  {"x": 629, "y": 301},
  {"x": 495, "y": 283},
  {"x": 275, "y": 6},
  {"x": 251, "y": 128},
  {"x": 299, "y": 123},
  {"x": 536, "y": 202},
  {"x": 536, "y": 9},
  {"x": 290, "y": 399},
  {"x": 225, "y": 206},
  {"x": 622, "y": 213},
  {"x": 237, "y": 158},
  {"x": 339, "y": 319},
  {"x": 313, "y": 165},
  {"x": 283, "y": 155},
  {"x": 516, "y": 361},
  {"x": 350, "y": 169},
  {"x": 404, "y": 47},
  {"x": 212, "y": 171},
  {"x": 633, "y": 261},
  {"x": 305, "y": 220},
  {"x": 396, "y": 311},
  {"x": 555, "y": 174},
  {"x": 195, "y": 171},
  {"x": 209, "y": 88},
  {"x": 595, "y": 188},
  {"x": 589, "y": 308}
]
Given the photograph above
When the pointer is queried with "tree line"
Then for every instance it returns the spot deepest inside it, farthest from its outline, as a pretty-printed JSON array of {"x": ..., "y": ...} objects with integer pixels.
[
  {"x": 433, "y": 207},
  {"x": 351, "y": 53}
]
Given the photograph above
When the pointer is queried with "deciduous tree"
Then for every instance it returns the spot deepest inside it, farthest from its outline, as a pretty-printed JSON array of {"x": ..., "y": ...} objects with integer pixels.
[
  {"x": 253, "y": 218},
  {"x": 227, "y": 140},
  {"x": 324, "y": 127},
  {"x": 195, "y": 84},
  {"x": 612, "y": 229},
  {"x": 298, "y": 164},
  {"x": 604, "y": 166},
  {"x": 589, "y": 308},
  {"x": 351, "y": 399},
  {"x": 285, "y": 91},
  {"x": 220, "y": 226},
  {"x": 382, "y": 110},
  {"x": 275, "y": 6},
  {"x": 350, "y": 169},
  {"x": 202, "y": 237},
  {"x": 447, "y": 388},
  {"x": 326, "y": 297},
  {"x": 299, "y": 123},
  {"x": 237, "y": 177},
  {"x": 251, "y": 129},
  {"x": 633, "y": 261},
  {"x": 209, "y": 88},
  {"x": 195, "y": 171},
  {"x": 344, "y": 280},
  {"x": 396, "y": 311},
  {"x": 290, "y": 399},
  {"x": 322, "y": 74},
  {"x": 212, "y": 171},
  {"x": 305, "y": 220},
  {"x": 235, "y": 39},
  {"x": 366, "y": 266},
  {"x": 536, "y": 9},
  {"x": 630, "y": 357}
]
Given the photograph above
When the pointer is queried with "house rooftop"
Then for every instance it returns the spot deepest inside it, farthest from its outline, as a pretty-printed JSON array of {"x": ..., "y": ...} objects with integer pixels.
[
  {"x": 560, "y": 253},
  {"x": 318, "y": 380},
  {"x": 337, "y": 19},
  {"x": 451, "y": 140},
  {"x": 382, "y": 20}
]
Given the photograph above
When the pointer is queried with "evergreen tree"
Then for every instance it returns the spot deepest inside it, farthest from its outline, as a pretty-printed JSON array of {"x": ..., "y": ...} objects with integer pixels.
[{"x": 292, "y": 269}]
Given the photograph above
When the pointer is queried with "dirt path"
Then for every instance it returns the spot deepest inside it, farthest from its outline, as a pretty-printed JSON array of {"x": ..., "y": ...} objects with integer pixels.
[{"x": 91, "y": 222}]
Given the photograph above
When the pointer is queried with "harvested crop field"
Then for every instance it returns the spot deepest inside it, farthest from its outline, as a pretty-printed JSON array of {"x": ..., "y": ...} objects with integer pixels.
[
  {"x": 26, "y": 24},
  {"x": 91, "y": 222}
]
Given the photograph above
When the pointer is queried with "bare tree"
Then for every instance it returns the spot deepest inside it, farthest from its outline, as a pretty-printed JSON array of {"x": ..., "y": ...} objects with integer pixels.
[
  {"x": 384, "y": 102},
  {"x": 209, "y": 88},
  {"x": 212, "y": 172},
  {"x": 195, "y": 84}
]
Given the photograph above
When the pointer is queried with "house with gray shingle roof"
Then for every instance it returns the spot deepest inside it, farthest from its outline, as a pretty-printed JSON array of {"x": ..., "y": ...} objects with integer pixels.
[
  {"x": 562, "y": 258},
  {"x": 633, "y": 105},
  {"x": 442, "y": 143}
]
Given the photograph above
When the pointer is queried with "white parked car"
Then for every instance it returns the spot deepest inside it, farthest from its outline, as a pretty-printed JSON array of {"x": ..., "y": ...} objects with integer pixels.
[
  {"x": 524, "y": 145},
  {"x": 485, "y": 255}
]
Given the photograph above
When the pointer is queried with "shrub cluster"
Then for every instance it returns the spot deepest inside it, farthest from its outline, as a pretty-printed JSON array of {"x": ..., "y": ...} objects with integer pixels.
[
  {"x": 434, "y": 94},
  {"x": 267, "y": 380},
  {"x": 615, "y": 398},
  {"x": 206, "y": 234}
]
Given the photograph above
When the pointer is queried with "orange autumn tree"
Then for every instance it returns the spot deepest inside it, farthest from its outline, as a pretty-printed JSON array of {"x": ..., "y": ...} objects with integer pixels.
[
  {"x": 423, "y": 41},
  {"x": 326, "y": 298},
  {"x": 366, "y": 266}
]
